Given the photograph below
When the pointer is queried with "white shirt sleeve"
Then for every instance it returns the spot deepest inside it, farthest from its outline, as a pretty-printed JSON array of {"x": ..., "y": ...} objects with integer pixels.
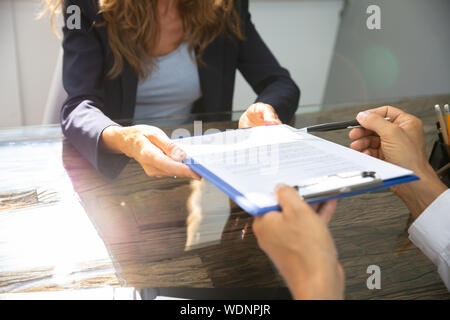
[{"x": 431, "y": 234}]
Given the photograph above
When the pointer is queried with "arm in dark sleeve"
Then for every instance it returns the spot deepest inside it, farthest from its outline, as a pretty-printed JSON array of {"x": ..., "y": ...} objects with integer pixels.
[
  {"x": 269, "y": 80},
  {"x": 82, "y": 115}
]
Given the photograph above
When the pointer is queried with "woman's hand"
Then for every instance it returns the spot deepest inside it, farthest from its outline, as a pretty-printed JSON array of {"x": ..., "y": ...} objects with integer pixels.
[
  {"x": 300, "y": 244},
  {"x": 259, "y": 114},
  {"x": 149, "y": 146}
]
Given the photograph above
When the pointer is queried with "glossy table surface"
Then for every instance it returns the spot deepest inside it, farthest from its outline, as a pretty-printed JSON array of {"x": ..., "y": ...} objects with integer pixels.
[{"x": 64, "y": 226}]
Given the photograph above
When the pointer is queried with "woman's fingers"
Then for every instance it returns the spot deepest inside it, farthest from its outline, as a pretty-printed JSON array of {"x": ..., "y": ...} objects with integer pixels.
[
  {"x": 163, "y": 142},
  {"x": 152, "y": 172},
  {"x": 255, "y": 116},
  {"x": 154, "y": 160},
  {"x": 259, "y": 114},
  {"x": 173, "y": 168},
  {"x": 270, "y": 116}
]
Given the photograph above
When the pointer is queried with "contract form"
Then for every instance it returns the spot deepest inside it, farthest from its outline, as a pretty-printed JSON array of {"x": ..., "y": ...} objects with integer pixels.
[{"x": 247, "y": 164}]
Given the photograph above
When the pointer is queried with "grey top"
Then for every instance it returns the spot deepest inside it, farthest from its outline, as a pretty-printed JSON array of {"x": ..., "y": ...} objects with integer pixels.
[{"x": 172, "y": 86}]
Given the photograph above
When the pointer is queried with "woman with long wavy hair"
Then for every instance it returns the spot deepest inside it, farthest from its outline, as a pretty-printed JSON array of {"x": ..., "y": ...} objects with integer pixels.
[{"x": 131, "y": 59}]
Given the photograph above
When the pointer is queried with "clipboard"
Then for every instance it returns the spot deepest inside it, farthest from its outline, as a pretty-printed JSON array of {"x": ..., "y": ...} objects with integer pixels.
[
  {"x": 258, "y": 199},
  {"x": 353, "y": 183}
]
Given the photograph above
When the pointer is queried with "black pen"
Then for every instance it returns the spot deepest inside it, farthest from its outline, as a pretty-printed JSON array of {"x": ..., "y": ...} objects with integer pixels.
[{"x": 334, "y": 126}]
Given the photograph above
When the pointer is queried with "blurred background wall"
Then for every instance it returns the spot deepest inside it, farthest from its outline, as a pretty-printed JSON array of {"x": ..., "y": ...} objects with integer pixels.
[
  {"x": 408, "y": 57},
  {"x": 325, "y": 44},
  {"x": 27, "y": 62},
  {"x": 302, "y": 36}
]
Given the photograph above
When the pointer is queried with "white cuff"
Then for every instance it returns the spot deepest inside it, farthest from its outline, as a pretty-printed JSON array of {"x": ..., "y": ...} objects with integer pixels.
[{"x": 431, "y": 230}]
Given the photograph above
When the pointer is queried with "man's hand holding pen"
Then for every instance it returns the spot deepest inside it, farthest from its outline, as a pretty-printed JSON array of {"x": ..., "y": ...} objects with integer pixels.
[
  {"x": 288, "y": 237},
  {"x": 400, "y": 142}
]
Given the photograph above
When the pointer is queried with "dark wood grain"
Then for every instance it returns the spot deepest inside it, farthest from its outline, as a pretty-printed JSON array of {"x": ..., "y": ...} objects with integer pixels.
[
  {"x": 147, "y": 224},
  {"x": 180, "y": 233}
]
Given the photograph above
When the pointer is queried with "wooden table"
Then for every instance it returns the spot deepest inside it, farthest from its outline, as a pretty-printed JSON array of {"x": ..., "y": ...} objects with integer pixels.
[{"x": 64, "y": 226}]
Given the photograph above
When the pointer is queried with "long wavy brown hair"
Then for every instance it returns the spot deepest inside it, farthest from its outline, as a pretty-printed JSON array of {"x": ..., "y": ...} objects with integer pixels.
[{"x": 133, "y": 29}]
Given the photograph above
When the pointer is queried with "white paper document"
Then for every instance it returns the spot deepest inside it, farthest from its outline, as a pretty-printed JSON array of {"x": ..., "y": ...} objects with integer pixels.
[{"x": 253, "y": 161}]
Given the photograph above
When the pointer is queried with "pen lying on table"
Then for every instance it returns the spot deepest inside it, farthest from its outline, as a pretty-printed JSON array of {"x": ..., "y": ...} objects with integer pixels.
[{"x": 334, "y": 126}]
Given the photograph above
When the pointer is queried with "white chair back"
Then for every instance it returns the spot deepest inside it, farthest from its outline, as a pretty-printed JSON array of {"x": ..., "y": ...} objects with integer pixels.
[{"x": 56, "y": 96}]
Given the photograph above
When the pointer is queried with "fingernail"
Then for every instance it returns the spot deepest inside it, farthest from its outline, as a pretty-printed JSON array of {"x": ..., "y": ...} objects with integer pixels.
[
  {"x": 362, "y": 116},
  {"x": 271, "y": 123}
]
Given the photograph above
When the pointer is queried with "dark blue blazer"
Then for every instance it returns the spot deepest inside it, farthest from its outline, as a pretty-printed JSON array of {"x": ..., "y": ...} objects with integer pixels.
[{"x": 94, "y": 100}]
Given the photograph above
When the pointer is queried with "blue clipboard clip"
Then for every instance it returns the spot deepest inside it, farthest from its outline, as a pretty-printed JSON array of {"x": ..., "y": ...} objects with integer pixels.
[{"x": 336, "y": 184}]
